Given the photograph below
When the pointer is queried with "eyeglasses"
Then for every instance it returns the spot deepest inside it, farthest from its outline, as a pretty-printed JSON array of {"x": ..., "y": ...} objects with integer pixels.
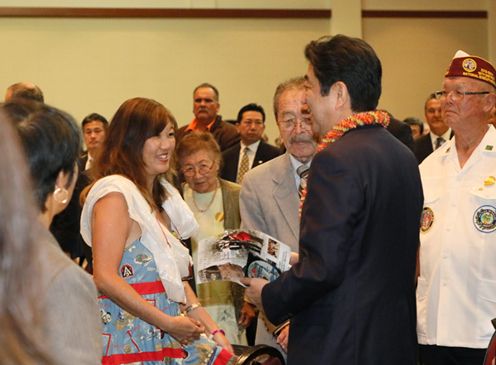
[
  {"x": 203, "y": 168},
  {"x": 290, "y": 123},
  {"x": 457, "y": 95}
]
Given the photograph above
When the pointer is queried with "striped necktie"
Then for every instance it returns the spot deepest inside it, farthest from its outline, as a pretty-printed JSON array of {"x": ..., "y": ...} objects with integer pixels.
[
  {"x": 439, "y": 142},
  {"x": 244, "y": 166},
  {"x": 302, "y": 172}
]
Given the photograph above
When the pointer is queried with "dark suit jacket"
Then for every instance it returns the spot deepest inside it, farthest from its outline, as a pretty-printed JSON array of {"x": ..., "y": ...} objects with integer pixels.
[
  {"x": 401, "y": 131},
  {"x": 352, "y": 293},
  {"x": 230, "y": 157},
  {"x": 224, "y": 133},
  {"x": 423, "y": 147}
]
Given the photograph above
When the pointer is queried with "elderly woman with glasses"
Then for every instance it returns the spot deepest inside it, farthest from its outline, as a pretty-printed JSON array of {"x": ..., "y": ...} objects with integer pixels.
[{"x": 215, "y": 204}]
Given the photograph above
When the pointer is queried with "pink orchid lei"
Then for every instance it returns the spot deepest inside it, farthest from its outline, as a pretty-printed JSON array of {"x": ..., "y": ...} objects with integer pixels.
[{"x": 352, "y": 122}]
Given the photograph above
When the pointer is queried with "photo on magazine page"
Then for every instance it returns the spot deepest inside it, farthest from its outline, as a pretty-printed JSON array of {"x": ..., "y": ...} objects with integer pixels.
[{"x": 238, "y": 253}]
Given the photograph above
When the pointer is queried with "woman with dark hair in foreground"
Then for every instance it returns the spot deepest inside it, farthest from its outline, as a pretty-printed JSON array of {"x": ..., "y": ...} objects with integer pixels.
[{"x": 48, "y": 308}]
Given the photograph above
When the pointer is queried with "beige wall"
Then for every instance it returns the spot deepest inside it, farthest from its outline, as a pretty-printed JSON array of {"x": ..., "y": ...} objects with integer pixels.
[
  {"x": 87, "y": 65},
  {"x": 415, "y": 54}
]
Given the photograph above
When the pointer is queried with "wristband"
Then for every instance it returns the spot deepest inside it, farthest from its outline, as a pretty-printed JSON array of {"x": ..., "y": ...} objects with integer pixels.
[
  {"x": 192, "y": 307},
  {"x": 218, "y": 330}
]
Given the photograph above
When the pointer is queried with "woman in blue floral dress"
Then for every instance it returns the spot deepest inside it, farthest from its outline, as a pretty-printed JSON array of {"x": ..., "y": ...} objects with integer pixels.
[{"x": 132, "y": 219}]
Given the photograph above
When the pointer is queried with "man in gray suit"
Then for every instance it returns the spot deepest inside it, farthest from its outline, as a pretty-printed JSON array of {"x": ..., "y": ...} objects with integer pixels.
[{"x": 269, "y": 199}]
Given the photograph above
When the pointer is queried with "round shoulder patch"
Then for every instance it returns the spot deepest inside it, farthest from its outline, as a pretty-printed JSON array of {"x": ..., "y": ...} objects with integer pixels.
[
  {"x": 427, "y": 219},
  {"x": 485, "y": 218},
  {"x": 469, "y": 65}
]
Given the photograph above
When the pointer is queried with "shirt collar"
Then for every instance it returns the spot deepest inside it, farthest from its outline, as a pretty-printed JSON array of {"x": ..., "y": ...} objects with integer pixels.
[
  {"x": 295, "y": 163},
  {"x": 252, "y": 147},
  {"x": 446, "y": 135},
  {"x": 193, "y": 125},
  {"x": 486, "y": 145}
]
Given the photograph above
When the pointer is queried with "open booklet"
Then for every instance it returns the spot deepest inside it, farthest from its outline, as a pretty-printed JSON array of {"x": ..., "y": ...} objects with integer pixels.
[{"x": 238, "y": 253}]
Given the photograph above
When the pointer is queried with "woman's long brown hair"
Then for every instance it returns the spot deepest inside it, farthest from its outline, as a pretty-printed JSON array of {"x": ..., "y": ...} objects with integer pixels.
[{"x": 135, "y": 121}]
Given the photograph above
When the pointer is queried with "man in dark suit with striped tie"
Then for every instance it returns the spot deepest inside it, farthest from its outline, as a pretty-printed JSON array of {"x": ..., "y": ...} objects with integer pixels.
[{"x": 252, "y": 150}]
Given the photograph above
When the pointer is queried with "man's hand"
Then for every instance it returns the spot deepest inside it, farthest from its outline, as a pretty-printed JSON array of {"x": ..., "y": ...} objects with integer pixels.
[
  {"x": 248, "y": 312},
  {"x": 254, "y": 290},
  {"x": 283, "y": 337}
]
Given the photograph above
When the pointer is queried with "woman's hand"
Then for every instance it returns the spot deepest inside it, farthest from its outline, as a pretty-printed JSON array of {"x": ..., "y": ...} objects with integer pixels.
[
  {"x": 221, "y": 340},
  {"x": 184, "y": 329}
]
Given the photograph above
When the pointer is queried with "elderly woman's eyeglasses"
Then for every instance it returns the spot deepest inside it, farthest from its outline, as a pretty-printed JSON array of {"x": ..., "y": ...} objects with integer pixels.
[
  {"x": 204, "y": 167},
  {"x": 457, "y": 95}
]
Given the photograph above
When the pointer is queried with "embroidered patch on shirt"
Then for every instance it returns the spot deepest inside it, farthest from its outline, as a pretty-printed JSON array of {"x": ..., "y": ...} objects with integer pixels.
[
  {"x": 427, "y": 219},
  {"x": 485, "y": 218},
  {"x": 127, "y": 271}
]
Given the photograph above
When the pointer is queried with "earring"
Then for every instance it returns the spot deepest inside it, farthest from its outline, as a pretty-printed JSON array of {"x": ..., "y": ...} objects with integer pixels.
[{"x": 61, "y": 195}]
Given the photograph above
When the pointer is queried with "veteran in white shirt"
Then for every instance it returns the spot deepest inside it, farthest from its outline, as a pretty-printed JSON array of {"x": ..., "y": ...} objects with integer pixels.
[{"x": 456, "y": 292}]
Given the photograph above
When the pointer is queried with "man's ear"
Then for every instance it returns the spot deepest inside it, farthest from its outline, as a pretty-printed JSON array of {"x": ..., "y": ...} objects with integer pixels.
[
  {"x": 342, "y": 96},
  {"x": 490, "y": 104}
]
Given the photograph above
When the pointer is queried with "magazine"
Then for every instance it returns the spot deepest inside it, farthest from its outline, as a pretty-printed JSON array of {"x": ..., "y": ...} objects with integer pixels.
[{"x": 238, "y": 253}]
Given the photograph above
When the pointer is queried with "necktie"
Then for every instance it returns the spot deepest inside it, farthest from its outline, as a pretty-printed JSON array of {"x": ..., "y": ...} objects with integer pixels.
[
  {"x": 302, "y": 172},
  {"x": 89, "y": 163},
  {"x": 439, "y": 142},
  {"x": 244, "y": 166}
]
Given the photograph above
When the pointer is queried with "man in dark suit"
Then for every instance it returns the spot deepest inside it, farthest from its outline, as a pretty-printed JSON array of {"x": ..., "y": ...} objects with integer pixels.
[
  {"x": 351, "y": 296},
  {"x": 439, "y": 130},
  {"x": 251, "y": 126},
  {"x": 94, "y": 128}
]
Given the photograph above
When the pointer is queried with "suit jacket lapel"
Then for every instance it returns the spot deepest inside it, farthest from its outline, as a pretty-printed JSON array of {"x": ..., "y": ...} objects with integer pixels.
[
  {"x": 258, "y": 159},
  {"x": 286, "y": 196}
]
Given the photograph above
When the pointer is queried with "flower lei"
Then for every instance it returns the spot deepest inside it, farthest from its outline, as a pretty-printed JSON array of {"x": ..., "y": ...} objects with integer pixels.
[{"x": 352, "y": 122}]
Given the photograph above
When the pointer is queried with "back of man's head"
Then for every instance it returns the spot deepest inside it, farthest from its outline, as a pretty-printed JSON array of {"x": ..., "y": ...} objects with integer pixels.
[
  {"x": 351, "y": 61},
  {"x": 24, "y": 90}
]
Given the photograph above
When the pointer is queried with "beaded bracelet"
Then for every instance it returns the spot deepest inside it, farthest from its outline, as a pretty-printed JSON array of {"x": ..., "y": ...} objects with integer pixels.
[
  {"x": 192, "y": 307},
  {"x": 218, "y": 330}
]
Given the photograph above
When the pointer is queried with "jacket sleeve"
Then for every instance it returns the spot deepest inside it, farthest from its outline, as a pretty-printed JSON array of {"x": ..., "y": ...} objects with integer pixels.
[{"x": 72, "y": 320}]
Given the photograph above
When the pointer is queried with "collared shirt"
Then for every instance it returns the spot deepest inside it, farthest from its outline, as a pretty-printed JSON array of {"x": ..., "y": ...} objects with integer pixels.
[
  {"x": 295, "y": 163},
  {"x": 252, "y": 151},
  {"x": 456, "y": 290},
  {"x": 193, "y": 125},
  {"x": 89, "y": 162},
  {"x": 446, "y": 136}
]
